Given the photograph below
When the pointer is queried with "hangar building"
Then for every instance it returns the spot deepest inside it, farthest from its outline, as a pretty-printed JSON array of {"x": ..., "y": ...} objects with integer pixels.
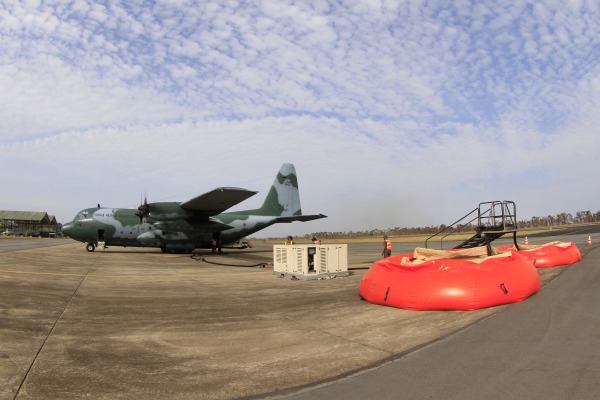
[{"x": 28, "y": 223}]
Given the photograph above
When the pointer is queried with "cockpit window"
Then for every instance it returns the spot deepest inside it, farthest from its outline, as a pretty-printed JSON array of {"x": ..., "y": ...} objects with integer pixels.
[{"x": 82, "y": 215}]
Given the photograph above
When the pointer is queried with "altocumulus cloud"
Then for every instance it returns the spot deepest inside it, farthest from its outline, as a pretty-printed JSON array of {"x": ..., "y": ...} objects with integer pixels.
[{"x": 394, "y": 113}]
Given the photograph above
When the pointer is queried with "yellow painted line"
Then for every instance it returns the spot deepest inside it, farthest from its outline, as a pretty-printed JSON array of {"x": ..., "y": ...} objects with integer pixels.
[{"x": 8, "y": 271}]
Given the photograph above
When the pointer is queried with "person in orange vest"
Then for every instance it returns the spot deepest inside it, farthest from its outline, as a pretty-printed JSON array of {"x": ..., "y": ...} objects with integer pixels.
[
  {"x": 315, "y": 240},
  {"x": 213, "y": 244},
  {"x": 387, "y": 247}
]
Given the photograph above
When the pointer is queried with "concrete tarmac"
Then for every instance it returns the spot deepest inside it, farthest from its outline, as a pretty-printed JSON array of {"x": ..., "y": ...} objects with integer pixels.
[
  {"x": 543, "y": 348},
  {"x": 136, "y": 323}
]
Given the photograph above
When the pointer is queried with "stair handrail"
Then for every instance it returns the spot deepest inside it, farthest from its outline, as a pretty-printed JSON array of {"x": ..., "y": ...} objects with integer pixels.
[
  {"x": 507, "y": 218},
  {"x": 453, "y": 233},
  {"x": 451, "y": 225}
]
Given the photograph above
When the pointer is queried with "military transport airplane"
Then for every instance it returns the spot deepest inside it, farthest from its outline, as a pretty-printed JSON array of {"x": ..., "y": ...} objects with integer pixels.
[{"x": 174, "y": 226}]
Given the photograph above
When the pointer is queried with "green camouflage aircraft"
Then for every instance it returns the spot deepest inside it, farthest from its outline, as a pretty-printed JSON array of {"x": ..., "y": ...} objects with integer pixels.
[{"x": 173, "y": 226}]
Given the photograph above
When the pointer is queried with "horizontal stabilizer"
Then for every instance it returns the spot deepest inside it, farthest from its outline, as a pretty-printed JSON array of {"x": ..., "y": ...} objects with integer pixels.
[
  {"x": 217, "y": 200},
  {"x": 301, "y": 218},
  {"x": 216, "y": 226}
]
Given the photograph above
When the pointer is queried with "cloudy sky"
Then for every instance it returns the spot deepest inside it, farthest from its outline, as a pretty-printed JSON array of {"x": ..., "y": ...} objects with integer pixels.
[{"x": 395, "y": 113}]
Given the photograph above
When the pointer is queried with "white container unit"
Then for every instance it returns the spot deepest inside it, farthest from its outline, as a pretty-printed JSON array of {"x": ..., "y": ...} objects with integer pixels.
[{"x": 310, "y": 261}]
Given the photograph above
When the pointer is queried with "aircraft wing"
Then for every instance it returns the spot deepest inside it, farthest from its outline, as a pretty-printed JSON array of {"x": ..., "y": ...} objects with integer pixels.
[
  {"x": 217, "y": 200},
  {"x": 302, "y": 218}
]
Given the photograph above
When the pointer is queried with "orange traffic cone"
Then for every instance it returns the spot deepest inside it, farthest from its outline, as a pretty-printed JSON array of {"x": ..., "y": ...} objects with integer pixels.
[
  {"x": 589, "y": 240},
  {"x": 526, "y": 241}
]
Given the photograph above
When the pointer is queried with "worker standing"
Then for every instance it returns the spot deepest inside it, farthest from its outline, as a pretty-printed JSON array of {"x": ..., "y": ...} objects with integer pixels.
[
  {"x": 315, "y": 240},
  {"x": 289, "y": 241},
  {"x": 387, "y": 247}
]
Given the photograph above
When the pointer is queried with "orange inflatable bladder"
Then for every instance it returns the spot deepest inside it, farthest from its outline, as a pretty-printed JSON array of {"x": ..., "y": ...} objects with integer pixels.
[
  {"x": 550, "y": 254},
  {"x": 404, "y": 281}
]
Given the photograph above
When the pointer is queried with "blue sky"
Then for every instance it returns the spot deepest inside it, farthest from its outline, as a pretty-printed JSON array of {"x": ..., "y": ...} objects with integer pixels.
[{"x": 395, "y": 113}]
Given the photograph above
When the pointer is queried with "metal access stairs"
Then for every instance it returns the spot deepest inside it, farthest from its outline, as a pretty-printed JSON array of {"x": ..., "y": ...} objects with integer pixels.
[{"x": 494, "y": 220}]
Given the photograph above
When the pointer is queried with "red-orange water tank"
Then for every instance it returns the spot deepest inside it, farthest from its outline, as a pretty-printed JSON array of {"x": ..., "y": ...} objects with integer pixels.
[
  {"x": 449, "y": 284},
  {"x": 549, "y": 255}
]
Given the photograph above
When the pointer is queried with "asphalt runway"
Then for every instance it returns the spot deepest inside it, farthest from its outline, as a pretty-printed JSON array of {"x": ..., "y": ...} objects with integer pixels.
[
  {"x": 14, "y": 244},
  {"x": 136, "y": 323}
]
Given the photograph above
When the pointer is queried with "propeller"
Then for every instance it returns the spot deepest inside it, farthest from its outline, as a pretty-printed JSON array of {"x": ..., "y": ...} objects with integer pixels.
[{"x": 143, "y": 209}]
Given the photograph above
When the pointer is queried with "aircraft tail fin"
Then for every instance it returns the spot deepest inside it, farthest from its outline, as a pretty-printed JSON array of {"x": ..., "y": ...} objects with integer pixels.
[{"x": 283, "y": 199}]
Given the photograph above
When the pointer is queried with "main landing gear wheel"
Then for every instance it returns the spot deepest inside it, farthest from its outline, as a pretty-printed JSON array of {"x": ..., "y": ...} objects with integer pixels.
[{"x": 90, "y": 247}]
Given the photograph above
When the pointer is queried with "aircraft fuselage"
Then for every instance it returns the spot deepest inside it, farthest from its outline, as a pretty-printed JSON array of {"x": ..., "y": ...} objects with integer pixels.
[{"x": 122, "y": 227}]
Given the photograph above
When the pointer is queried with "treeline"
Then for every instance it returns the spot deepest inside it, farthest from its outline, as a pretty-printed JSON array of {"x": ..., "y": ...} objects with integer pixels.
[
  {"x": 580, "y": 217},
  {"x": 535, "y": 222}
]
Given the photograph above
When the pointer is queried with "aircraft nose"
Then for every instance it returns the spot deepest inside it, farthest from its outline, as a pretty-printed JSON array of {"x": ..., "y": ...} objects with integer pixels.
[{"x": 66, "y": 228}]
